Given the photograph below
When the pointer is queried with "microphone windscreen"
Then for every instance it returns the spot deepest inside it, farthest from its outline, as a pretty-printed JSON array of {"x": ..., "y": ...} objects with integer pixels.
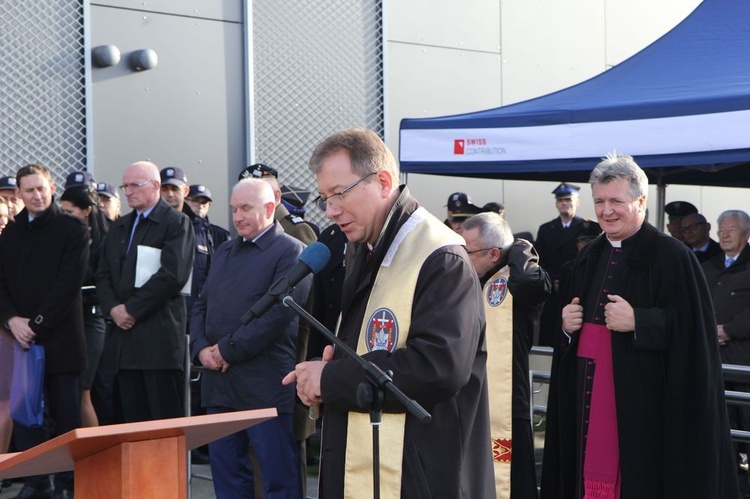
[{"x": 315, "y": 256}]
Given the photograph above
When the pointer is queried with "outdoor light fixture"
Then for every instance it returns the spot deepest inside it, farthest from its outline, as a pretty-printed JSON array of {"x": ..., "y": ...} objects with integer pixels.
[
  {"x": 105, "y": 56},
  {"x": 142, "y": 60}
]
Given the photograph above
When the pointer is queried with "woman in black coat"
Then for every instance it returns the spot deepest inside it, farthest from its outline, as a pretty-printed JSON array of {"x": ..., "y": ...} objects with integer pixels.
[{"x": 83, "y": 202}]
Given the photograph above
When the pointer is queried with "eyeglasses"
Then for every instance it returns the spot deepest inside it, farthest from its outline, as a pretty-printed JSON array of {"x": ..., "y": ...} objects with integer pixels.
[
  {"x": 478, "y": 250},
  {"x": 134, "y": 185},
  {"x": 322, "y": 201},
  {"x": 692, "y": 226}
]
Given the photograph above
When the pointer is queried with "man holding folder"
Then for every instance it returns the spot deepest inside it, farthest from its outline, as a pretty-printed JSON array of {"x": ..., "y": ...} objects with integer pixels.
[{"x": 146, "y": 342}]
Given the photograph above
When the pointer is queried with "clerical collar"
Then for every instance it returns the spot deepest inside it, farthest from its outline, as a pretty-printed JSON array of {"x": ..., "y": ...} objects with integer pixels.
[
  {"x": 618, "y": 244},
  {"x": 615, "y": 244}
]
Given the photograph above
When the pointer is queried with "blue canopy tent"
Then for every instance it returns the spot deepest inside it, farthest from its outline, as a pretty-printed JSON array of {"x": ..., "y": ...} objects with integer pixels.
[{"x": 681, "y": 107}]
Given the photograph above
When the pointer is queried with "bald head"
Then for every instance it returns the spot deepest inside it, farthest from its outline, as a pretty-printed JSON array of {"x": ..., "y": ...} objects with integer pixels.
[
  {"x": 141, "y": 185},
  {"x": 146, "y": 169},
  {"x": 252, "y": 206}
]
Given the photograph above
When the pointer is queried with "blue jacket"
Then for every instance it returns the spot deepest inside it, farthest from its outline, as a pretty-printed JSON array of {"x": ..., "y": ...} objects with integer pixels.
[{"x": 261, "y": 353}]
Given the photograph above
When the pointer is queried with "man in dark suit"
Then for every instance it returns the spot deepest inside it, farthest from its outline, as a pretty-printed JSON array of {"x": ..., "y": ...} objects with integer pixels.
[
  {"x": 245, "y": 363},
  {"x": 146, "y": 339},
  {"x": 43, "y": 258},
  {"x": 676, "y": 211},
  {"x": 728, "y": 274},
  {"x": 556, "y": 244},
  {"x": 695, "y": 231}
]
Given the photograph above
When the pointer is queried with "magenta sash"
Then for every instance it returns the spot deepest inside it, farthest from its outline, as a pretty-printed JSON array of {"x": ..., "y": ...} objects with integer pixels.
[{"x": 601, "y": 466}]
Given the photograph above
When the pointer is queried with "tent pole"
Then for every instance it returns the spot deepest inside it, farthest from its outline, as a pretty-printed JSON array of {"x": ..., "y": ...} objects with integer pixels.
[{"x": 661, "y": 191}]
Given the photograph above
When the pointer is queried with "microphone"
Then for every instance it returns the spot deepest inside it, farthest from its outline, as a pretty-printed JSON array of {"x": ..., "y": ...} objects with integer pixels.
[{"x": 312, "y": 260}]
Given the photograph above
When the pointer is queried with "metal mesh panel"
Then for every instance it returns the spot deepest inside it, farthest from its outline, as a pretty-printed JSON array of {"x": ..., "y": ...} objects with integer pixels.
[
  {"x": 318, "y": 68},
  {"x": 42, "y": 86}
]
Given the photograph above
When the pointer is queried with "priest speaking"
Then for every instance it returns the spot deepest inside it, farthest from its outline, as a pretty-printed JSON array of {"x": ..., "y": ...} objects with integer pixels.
[{"x": 411, "y": 304}]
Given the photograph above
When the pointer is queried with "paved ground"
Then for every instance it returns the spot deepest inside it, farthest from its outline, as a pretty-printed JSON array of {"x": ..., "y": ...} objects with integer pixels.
[{"x": 201, "y": 486}]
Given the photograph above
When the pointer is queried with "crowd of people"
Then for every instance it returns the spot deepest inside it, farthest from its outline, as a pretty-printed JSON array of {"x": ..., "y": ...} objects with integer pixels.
[{"x": 640, "y": 322}]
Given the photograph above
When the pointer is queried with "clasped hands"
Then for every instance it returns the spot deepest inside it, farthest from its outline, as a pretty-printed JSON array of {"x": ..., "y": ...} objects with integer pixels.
[
  {"x": 122, "y": 317},
  {"x": 618, "y": 315},
  {"x": 211, "y": 358}
]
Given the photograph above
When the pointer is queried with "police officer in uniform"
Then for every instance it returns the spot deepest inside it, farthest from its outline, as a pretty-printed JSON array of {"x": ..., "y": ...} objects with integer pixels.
[
  {"x": 109, "y": 200},
  {"x": 199, "y": 198},
  {"x": 556, "y": 244},
  {"x": 174, "y": 190},
  {"x": 294, "y": 199},
  {"x": 9, "y": 193}
]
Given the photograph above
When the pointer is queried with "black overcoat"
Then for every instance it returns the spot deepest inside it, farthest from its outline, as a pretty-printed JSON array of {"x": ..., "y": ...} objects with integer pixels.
[
  {"x": 730, "y": 290},
  {"x": 157, "y": 341},
  {"x": 42, "y": 267},
  {"x": 556, "y": 245},
  {"x": 672, "y": 424}
]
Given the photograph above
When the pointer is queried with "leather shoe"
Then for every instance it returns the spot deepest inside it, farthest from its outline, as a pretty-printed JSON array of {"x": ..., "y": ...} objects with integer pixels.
[
  {"x": 30, "y": 492},
  {"x": 62, "y": 494}
]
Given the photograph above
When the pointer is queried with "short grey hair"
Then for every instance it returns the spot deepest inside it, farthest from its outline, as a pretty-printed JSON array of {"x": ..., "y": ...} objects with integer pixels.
[
  {"x": 494, "y": 231},
  {"x": 367, "y": 152},
  {"x": 743, "y": 217},
  {"x": 616, "y": 166}
]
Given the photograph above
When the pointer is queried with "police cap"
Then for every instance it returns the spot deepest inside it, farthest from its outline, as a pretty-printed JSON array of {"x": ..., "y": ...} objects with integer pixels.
[
  {"x": 258, "y": 170},
  {"x": 565, "y": 190}
]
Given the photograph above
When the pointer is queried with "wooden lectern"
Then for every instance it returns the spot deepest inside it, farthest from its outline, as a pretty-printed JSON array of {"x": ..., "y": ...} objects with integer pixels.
[{"x": 133, "y": 460}]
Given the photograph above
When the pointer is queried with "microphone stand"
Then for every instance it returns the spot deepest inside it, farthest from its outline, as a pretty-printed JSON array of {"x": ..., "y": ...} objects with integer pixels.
[{"x": 369, "y": 394}]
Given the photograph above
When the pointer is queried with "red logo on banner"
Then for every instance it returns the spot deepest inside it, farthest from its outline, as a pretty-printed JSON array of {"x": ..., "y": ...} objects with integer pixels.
[{"x": 458, "y": 146}]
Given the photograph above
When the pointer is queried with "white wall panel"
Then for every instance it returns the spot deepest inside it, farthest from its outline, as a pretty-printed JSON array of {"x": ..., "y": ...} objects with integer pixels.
[
  {"x": 431, "y": 81},
  {"x": 548, "y": 45},
  {"x": 464, "y": 24}
]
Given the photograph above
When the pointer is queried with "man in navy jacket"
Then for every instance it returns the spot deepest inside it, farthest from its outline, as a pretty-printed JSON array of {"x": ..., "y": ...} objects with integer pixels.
[{"x": 245, "y": 363}]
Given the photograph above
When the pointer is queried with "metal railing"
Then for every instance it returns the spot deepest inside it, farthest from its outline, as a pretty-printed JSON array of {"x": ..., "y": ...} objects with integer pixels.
[{"x": 731, "y": 372}]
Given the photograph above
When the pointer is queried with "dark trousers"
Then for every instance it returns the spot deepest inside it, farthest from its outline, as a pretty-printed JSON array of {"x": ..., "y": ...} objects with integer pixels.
[
  {"x": 273, "y": 444},
  {"x": 523, "y": 466},
  {"x": 103, "y": 395},
  {"x": 146, "y": 395},
  {"x": 62, "y": 396}
]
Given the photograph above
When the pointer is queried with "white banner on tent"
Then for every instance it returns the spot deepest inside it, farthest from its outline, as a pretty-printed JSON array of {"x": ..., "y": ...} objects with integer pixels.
[{"x": 680, "y": 134}]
